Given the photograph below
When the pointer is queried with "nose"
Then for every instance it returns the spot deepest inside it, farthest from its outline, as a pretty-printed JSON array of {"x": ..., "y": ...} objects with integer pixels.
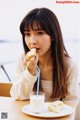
[{"x": 33, "y": 40}]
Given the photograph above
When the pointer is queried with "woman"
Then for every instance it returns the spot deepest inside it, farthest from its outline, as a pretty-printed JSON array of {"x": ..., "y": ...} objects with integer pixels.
[{"x": 40, "y": 29}]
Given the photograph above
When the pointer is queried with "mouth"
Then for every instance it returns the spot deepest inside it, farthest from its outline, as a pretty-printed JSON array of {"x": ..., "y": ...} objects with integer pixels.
[{"x": 37, "y": 49}]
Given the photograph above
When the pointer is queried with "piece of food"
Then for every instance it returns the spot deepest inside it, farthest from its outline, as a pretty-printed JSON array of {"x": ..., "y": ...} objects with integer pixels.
[
  {"x": 56, "y": 106},
  {"x": 31, "y": 53}
]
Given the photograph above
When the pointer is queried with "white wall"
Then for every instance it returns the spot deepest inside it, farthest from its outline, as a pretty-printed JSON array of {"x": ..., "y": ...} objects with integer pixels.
[{"x": 13, "y": 11}]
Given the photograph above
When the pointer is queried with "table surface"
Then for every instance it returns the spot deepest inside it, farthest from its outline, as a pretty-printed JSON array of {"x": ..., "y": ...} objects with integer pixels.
[{"x": 13, "y": 109}]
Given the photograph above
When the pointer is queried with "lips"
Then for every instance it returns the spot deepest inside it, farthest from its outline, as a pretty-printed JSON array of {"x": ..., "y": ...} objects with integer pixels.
[{"x": 37, "y": 49}]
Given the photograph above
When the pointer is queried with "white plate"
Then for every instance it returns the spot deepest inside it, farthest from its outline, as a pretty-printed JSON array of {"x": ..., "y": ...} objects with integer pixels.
[{"x": 48, "y": 114}]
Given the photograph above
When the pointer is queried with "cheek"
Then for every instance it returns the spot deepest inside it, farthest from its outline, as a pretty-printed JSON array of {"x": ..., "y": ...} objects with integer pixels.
[
  {"x": 27, "y": 42},
  {"x": 47, "y": 43}
]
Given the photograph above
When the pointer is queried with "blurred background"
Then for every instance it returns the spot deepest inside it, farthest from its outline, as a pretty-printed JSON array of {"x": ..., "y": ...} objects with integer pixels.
[{"x": 12, "y": 13}]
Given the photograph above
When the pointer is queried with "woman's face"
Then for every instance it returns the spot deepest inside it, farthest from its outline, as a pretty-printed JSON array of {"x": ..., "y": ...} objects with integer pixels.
[{"x": 38, "y": 39}]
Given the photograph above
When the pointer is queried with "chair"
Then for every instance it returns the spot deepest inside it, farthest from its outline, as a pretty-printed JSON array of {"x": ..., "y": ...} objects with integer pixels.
[{"x": 5, "y": 89}]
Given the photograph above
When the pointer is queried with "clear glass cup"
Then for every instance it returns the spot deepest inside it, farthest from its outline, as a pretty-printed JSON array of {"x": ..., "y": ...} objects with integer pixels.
[{"x": 37, "y": 102}]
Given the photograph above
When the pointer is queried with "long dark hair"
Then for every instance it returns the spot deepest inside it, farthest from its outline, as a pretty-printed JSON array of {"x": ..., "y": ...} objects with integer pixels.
[{"x": 47, "y": 20}]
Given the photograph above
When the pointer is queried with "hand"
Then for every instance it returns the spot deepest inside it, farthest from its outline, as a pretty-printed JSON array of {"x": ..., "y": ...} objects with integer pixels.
[{"x": 31, "y": 64}]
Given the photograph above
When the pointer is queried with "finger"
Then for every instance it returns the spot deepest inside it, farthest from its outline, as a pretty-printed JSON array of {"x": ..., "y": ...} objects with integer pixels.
[
  {"x": 31, "y": 64},
  {"x": 35, "y": 59}
]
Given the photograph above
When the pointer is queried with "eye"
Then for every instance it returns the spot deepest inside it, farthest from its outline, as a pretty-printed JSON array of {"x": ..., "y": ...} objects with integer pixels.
[
  {"x": 40, "y": 33},
  {"x": 26, "y": 34}
]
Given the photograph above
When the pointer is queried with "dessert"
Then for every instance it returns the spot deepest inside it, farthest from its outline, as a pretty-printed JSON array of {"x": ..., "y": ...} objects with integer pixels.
[
  {"x": 31, "y": 53},
  {"x": 56, "y": 106}
]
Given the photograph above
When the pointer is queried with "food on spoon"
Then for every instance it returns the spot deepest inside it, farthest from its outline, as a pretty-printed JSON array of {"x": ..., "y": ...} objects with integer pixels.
[
  {"x": 31, "y": 54},
  {"x": 56, "y": 106}
]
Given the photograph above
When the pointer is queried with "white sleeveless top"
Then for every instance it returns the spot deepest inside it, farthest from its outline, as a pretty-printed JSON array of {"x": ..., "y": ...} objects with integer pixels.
[{"x": 47, "y": 86}]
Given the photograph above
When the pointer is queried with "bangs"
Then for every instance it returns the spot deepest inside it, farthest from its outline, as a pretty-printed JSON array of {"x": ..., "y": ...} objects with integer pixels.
[
  {"x": 33, "y": 25},
  {"x": 35, "y": 21}
]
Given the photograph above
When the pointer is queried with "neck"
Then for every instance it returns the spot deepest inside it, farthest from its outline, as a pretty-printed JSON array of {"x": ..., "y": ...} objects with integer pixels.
[{"x": 45, "y": 60}]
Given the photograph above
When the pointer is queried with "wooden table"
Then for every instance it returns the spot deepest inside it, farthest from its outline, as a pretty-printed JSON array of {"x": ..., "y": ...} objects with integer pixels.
[{"x": 13, "y": 109}]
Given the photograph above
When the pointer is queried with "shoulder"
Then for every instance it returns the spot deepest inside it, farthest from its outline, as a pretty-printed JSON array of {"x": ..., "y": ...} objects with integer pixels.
[
  {"x": 71, "y": 63},
  {"x": 72, "y": 68},
  {"x": 20, "y": 58},
  {"x": 19, "y": 61}
]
